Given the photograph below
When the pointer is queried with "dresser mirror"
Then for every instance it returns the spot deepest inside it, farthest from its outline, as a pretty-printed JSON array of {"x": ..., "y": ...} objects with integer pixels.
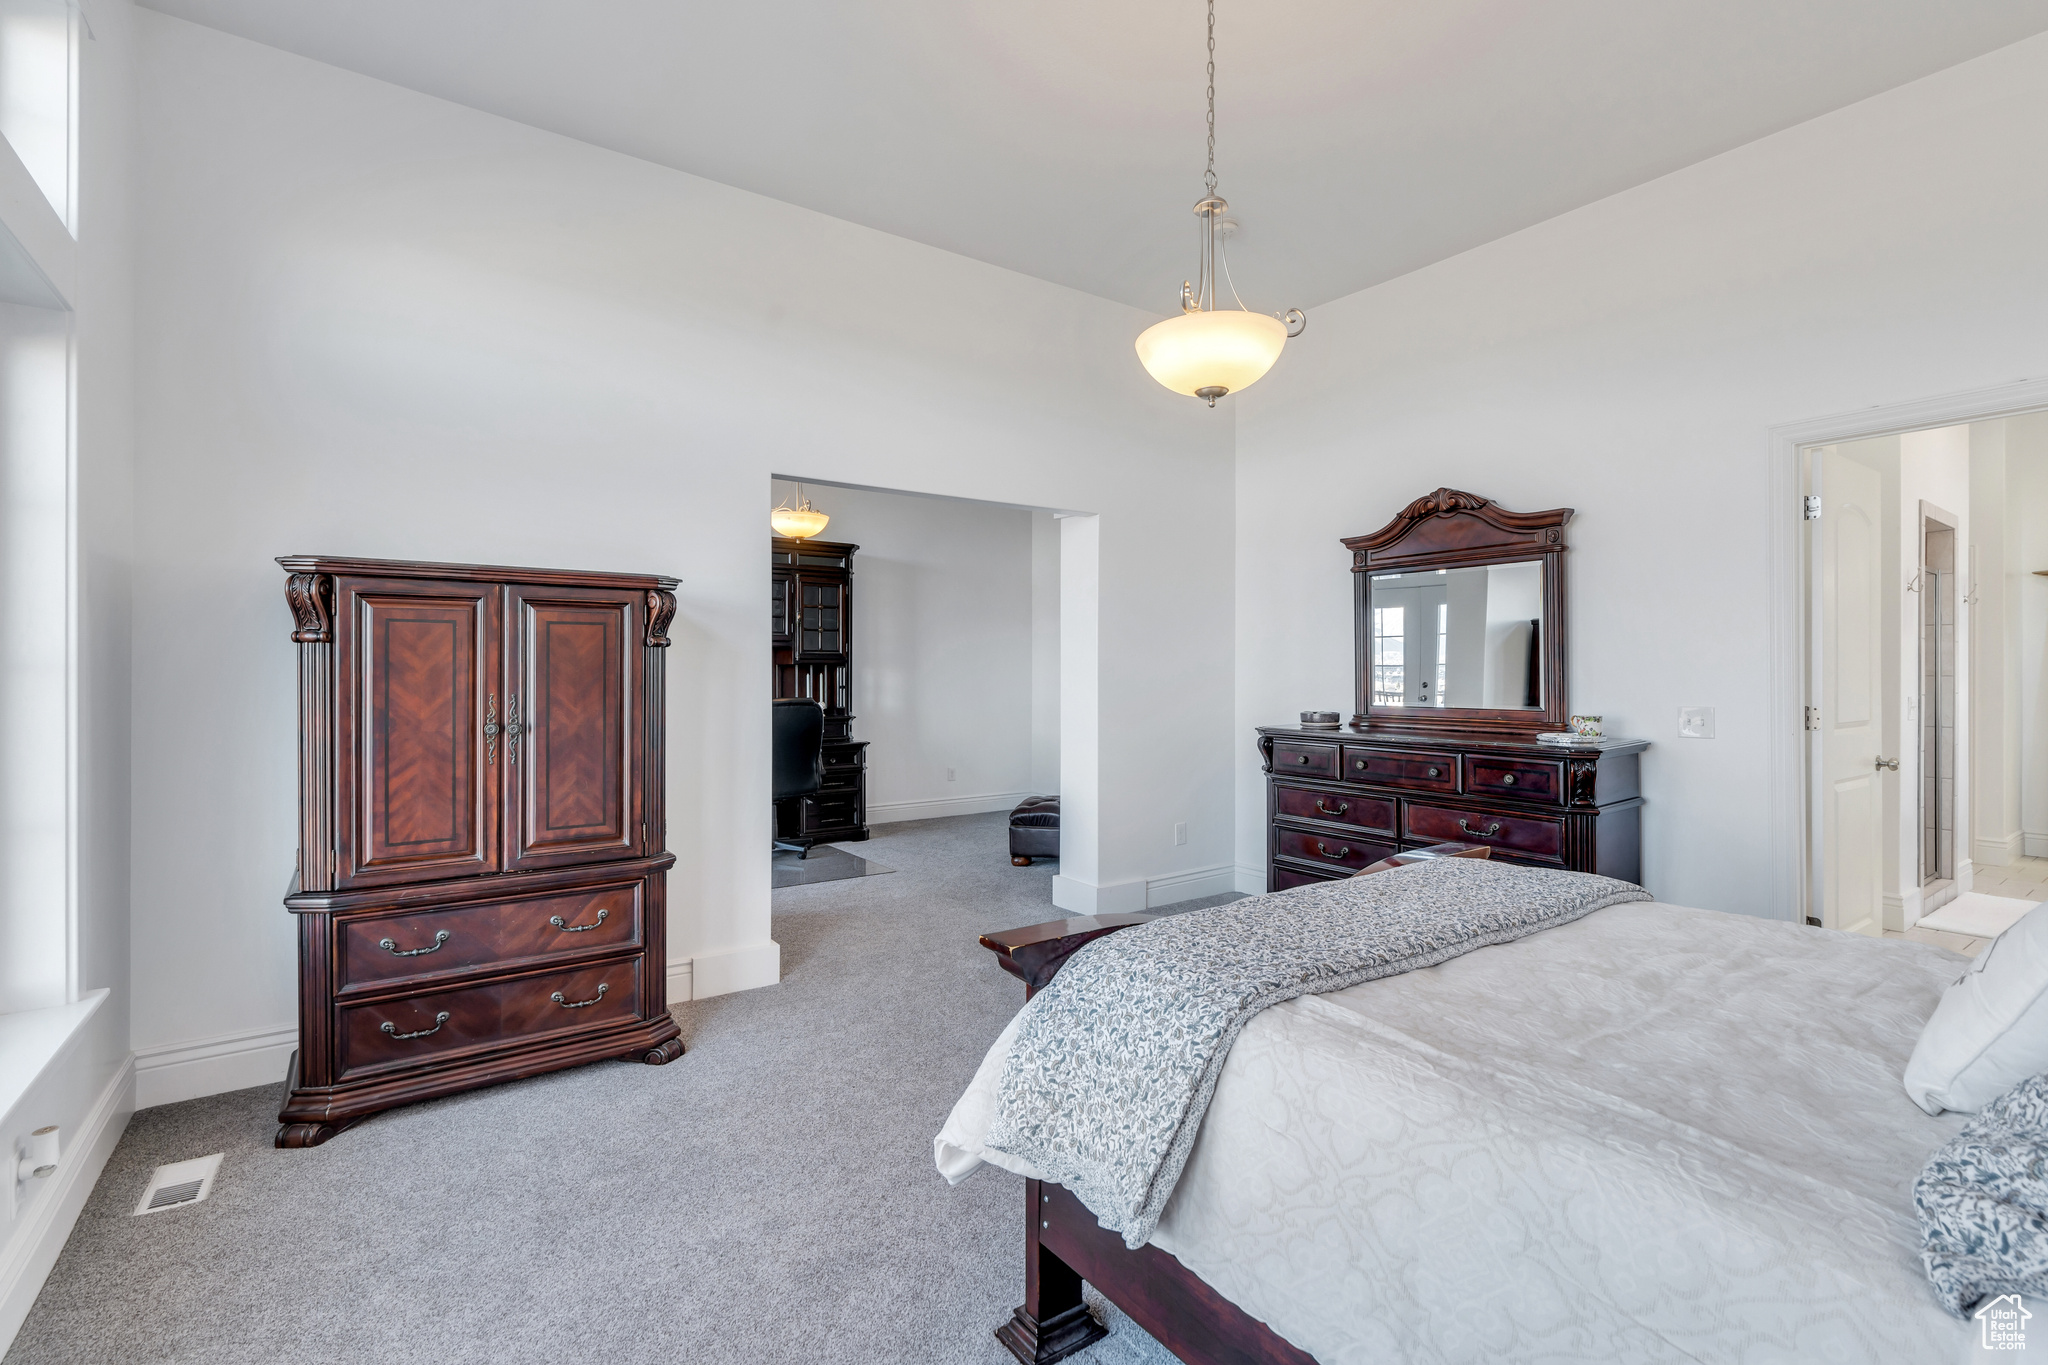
[
  {"x": 1468, "y": 638},
  {"x": 1460, "y": 618}
]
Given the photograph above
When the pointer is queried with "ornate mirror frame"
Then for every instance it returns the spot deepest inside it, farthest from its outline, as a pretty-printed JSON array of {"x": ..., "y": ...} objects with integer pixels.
[{"x": 1449, "y": 529}]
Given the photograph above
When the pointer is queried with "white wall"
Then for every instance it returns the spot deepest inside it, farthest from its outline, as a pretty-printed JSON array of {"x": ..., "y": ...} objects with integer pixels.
[
  {"x": 375, "y": 323},
  {"x": 1628, "y": 359},
  {"x": 943, "y": 640},
  {"x": 1934, "y": 474},
  {"x": 1995, "y": 655},
  {"x": 2026, "y": 445},
  {"x": 1045, "y": 653}
]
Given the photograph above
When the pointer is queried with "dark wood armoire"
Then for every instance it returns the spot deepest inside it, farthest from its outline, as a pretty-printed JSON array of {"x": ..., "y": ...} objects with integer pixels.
[
  {"x": 812, "y": 624},
  {"x": 482, "y": 864}
]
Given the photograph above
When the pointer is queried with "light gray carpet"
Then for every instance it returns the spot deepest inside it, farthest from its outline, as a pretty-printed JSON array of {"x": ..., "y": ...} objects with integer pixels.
[{"x": 768, "y": 1197}]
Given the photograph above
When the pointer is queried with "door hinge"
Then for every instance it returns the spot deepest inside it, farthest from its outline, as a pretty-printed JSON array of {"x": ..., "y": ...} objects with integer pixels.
[
  {"x": 1810, "y": 507},
  {"x": 1813, "y": 718}
]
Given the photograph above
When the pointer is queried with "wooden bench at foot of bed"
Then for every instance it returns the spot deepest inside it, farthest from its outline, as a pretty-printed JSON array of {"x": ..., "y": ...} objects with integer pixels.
[{"x": 1064, "y": 1245}]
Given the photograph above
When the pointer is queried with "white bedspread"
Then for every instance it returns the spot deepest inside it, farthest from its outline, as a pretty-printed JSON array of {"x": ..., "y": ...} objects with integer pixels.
[{"x": 1654, "y": 1134}]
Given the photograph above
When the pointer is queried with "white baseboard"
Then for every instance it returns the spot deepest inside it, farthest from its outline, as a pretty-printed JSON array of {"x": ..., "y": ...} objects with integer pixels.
[
  {"x": 734, "y": 969},
  {"x": 1999, "y": 851},
  {"x": 211, "y": 1066},
  {"x": 1966, "y": 875},
  {"x": 895, "y": 812},
  {"x": 1187, "y": 886},
  {"x": 1895, "y": 914},
  {"x": 1086, "y": 898},
  {"x": 679, "y": 981},
  {"x": 29, "y": 1254},
  {"x": 2034, "y": 845},
  {"x": 1251, "y": 881}
]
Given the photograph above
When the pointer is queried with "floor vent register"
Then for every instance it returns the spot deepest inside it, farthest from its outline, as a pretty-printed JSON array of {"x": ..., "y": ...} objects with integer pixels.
[{"x": 178, "y": 1184}]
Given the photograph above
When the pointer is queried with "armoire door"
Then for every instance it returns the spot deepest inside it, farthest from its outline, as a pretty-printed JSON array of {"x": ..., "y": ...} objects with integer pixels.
[
  {"x": 572, "y": 744},
  {"x": 821, "y": 618},
  {"x": 416, "y": 777}
]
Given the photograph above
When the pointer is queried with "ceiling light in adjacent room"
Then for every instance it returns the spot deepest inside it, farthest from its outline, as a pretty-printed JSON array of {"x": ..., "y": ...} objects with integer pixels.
[
  {"x": 800, "y": 522},
  {"x": 1209, "y": 351}
]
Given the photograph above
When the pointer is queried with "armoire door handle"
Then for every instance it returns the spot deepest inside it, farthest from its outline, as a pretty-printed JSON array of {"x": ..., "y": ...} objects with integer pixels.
[
  {"x": 491, "y": 728},
  {"x": 512, "y": 728}
]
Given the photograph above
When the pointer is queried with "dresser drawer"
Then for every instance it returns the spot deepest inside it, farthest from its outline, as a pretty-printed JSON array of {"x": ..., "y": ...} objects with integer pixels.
[
  {"x": 1304, "y": 760},
  {"x": 1341, "y": 808},
  {"x": 390, "y": 949},
  {"x": 1330, "y": 850},
  {"x": 1533, "y": 835},
  {"x": 1531, "y": 779},
  {"x": 1414, "y": 770},
  {"x": 1286, "y": 877},
  {"x": 388, "y": 1034}
]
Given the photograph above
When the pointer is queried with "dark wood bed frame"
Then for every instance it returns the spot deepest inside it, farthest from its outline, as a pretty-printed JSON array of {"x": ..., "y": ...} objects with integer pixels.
[{"x": 1064, "y": 1245}]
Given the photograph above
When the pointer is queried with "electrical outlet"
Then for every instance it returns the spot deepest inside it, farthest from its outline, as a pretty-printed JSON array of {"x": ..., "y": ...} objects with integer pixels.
[
  {"x": 949, "y": 774},
  {"x": 1180, "y": 833},
  {"x": 1695, "y": 722}
]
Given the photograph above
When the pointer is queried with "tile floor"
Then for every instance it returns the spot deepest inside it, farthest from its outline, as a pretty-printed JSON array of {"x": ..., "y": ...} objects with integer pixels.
[{"x": 2023, "y": 879}]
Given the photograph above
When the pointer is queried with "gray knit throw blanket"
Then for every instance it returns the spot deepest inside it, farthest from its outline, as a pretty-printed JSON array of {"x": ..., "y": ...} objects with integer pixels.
[{"x": 1115, "y": 1061}]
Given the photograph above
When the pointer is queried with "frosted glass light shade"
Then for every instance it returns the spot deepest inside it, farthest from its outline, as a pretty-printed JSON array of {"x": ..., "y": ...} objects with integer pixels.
[
  {"x": 798, "y": 523},
  {"x": 1223, "y": 349}
]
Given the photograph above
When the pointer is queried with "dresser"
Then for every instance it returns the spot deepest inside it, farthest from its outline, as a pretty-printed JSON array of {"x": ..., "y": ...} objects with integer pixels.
[
  {"x": 1460, "y": 628},
  {"x": 1337, "y": 803},
  {"x": 481, "y": 871},
  {"x": 811, "y": 622}
]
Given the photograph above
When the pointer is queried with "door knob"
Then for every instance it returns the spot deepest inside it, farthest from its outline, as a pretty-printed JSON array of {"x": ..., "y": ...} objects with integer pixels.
[{"x": 1888, "y": 765}]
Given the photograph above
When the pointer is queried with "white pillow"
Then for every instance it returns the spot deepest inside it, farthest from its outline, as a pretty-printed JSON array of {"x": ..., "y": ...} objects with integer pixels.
[{"x": 1990, "y": 1031}]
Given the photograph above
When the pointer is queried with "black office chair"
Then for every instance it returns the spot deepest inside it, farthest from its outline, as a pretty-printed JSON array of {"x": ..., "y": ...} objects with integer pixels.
[{"x": 799, "y": 763}]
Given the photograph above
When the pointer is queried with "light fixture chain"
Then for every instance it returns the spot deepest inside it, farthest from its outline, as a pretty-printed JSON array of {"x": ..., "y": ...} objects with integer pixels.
[{"x": 1209, "y": 177}]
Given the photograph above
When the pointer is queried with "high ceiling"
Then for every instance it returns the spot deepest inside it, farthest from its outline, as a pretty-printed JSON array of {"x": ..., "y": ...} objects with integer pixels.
[{"x": 1356, "y": 139}]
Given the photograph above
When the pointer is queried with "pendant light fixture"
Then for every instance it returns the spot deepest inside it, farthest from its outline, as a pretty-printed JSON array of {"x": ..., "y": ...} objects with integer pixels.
[
  {"x": 800, "y": 522},
  {"x": 1209, "y": 351}
]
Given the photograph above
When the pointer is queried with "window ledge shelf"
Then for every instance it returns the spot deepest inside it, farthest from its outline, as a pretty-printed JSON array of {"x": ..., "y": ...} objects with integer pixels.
[{"x": 31, "y": 1039}]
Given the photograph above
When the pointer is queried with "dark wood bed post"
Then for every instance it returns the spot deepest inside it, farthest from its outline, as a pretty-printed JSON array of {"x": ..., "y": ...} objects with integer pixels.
[
  {"x": 1052, "y": 1323},
  {"x": 1160, "y": 1294}
]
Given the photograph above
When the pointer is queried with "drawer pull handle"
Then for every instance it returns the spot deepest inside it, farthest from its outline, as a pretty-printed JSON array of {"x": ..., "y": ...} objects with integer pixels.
[
  {"x": 568, "y": 1004},
  {"x": 1486, "y": 833},
  {"x": 392, "y": 948},
  {"x": 1361, "y": 765},
  {"x": 1507, "y": 779},
  {"x": 1322, "y": 848},
  {"x": 1342, "y": 806},
  {"x": 1301, "y": 758},
  {"x": 439, "y": 1020},
  {"x": 1434, "y": 773},
  {"x": 556, "y": 920}
]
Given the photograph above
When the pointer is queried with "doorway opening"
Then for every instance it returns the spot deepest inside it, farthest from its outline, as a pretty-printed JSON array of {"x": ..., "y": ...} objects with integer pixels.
[
  {"x": 1925, "y": 569},
  {"x": 926, "y": 630}
]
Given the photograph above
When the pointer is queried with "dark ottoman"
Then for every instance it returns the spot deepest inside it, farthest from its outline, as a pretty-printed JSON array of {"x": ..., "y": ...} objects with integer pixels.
[{"x": 1035, "y": 830}]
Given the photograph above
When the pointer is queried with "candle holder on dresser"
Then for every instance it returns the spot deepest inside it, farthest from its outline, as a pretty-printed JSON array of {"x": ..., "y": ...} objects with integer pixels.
[
  {"x": 1459, "y": 617},
  {"x": 480, "y": 889}
]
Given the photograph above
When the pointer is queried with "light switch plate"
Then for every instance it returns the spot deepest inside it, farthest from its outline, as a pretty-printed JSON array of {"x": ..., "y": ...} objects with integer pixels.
[{"x": 1695, "y": 722}]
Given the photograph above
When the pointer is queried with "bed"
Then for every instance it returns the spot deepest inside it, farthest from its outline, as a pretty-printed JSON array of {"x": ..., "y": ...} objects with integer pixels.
[{"x": 1653, "y": 1133}]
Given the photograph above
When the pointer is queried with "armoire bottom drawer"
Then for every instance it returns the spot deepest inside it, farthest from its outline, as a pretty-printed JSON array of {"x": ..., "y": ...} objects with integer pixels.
[
  {"x": 423, "y": 1028},
  {"x": 390, "y": 949},
  {"x": 1532, "y": 835},
  {"x": 1334, "y": 851}
]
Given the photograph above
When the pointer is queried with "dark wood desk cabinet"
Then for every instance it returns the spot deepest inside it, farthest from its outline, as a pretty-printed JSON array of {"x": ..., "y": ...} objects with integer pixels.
[
  {"x": 1339, "y": 802},
  {"x": 811, "y": 621},
  {"x": 481, "y": 864}
]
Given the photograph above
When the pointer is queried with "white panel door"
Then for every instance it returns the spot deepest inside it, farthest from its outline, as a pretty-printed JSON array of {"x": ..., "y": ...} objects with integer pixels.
[{"x": 1849, "y": 689}]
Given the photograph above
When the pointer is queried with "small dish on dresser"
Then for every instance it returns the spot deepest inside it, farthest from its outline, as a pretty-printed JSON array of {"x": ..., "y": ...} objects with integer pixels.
[{"x": 1321, "y": 720}]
